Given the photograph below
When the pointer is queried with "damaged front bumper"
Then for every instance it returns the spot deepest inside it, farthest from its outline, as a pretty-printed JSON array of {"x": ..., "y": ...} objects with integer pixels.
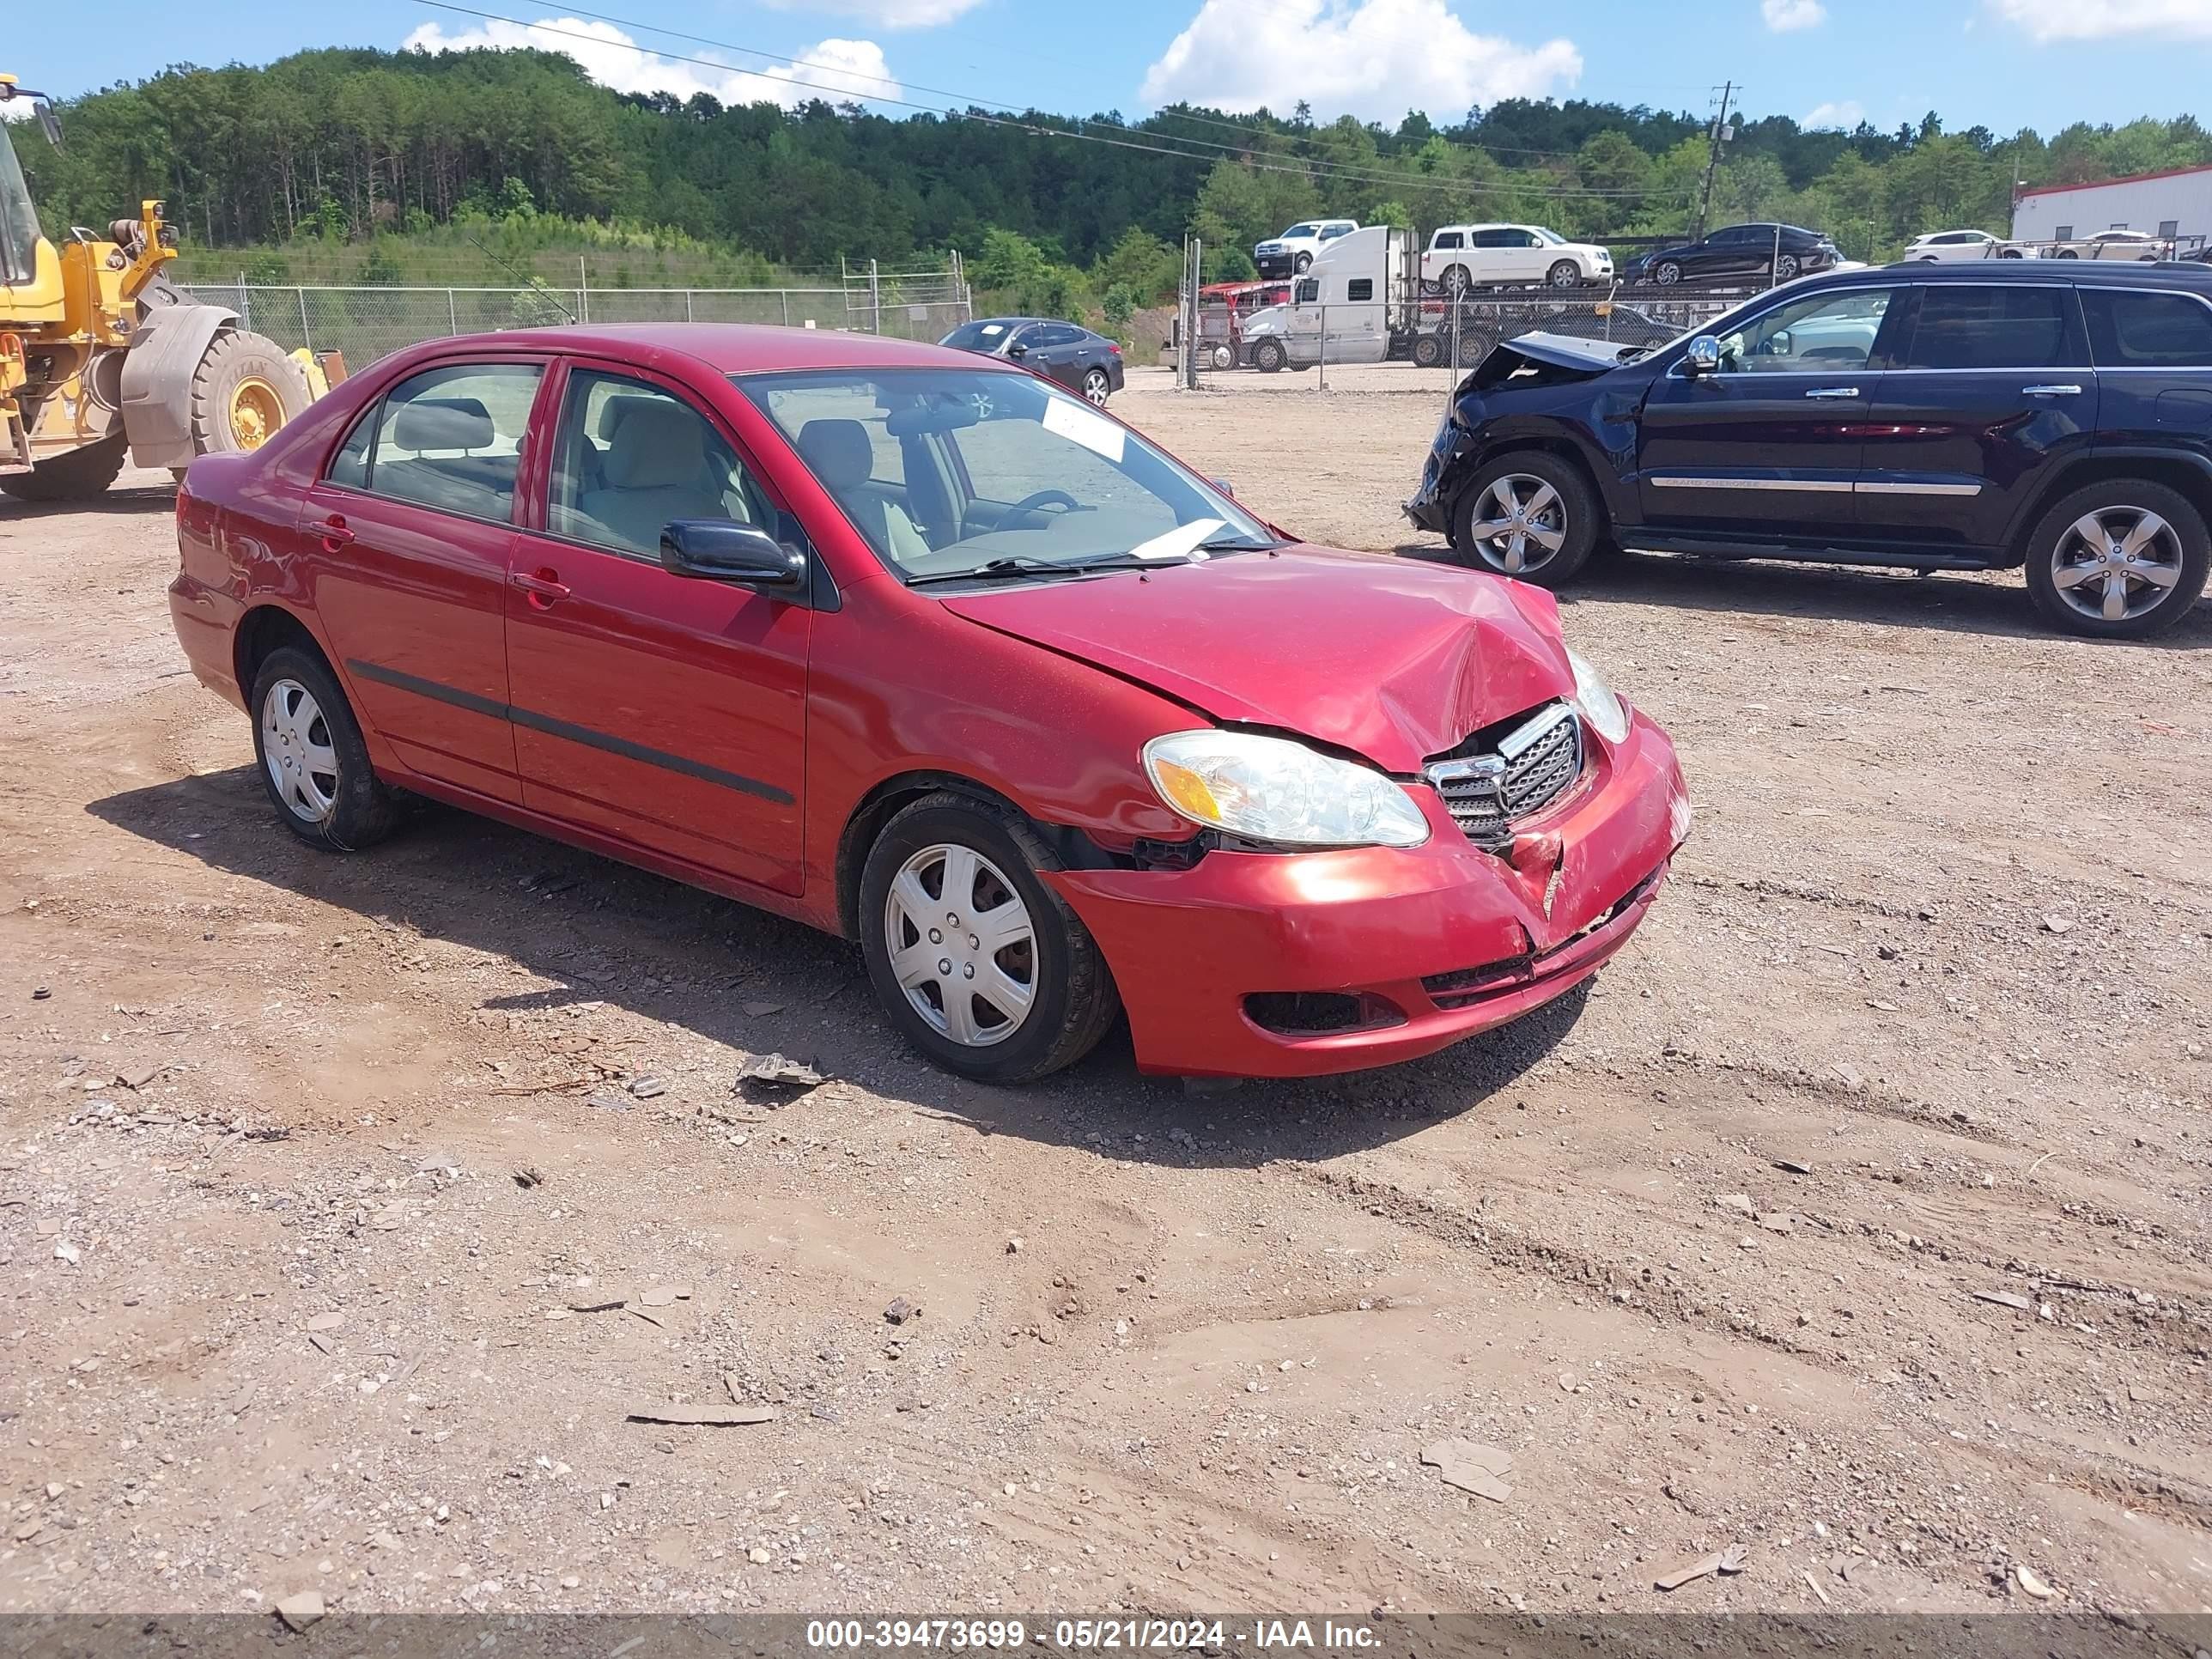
[{"x": 1260, "y": 965}]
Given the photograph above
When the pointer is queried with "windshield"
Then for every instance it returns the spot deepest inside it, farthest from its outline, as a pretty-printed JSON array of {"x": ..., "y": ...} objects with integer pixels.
[
  {"x": 1549, "y": 238},
  {"x": 19, "y": 225},
  {"x": 945, "y": 471}
]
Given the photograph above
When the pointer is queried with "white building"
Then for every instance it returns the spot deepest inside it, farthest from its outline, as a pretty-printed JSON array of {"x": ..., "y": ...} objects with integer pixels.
[{"x": 2173, "y": 204}]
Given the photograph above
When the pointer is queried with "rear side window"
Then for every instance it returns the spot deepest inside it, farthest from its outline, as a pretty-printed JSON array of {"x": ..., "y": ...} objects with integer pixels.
[
  {"x": 1450, "y": 239},
  {"x": 451, "y": 438},
  {"x": 2148, "y": 330},
  {"x": 1963, "y": 327}
]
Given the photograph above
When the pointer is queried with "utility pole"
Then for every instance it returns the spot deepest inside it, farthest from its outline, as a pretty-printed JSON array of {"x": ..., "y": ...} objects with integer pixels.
[{"x": 1713, "y": 159}]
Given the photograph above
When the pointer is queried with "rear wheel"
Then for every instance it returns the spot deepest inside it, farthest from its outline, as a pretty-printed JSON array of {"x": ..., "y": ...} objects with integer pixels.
[
  {"x": 1456, "y": 281},
  {"x": 1269, "y": 356},
  {"x": 245, "y": 389},
  {"x": 1428, "y": 351},
  {"x": 1786, "y": 268},
  {"x": 1528, "y": 515},
  {"x": 1096, "y": 386},
  {"x": 979, "y": 964},
  {"x": 76, "y": 476},
  {"x": 2123, "y": 559},
  {"x": 314, "y": 763}
]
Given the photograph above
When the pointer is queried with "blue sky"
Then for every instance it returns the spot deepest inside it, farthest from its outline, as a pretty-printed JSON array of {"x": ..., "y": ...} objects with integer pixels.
[{"x": 2004, "y": 64}]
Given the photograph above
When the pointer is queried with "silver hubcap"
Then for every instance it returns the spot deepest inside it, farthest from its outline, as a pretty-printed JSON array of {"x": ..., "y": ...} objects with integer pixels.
[
  {"x": 1668, "y": 273},
  {"x": 962, "y": 944},
  {"x": 1520, "y": 522},
  {"x": 1563, "y": 275},
  {"x": 2117, "y": 563},
  {"x": 295, "y": 747},
  {"x": 1094, "y": 386}
]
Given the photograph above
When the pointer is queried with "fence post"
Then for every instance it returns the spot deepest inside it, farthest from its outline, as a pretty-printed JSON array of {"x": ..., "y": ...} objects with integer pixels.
[
  {"x": 245, "y": 302},
  {"x": 784, "y": 294},
  {"x": 306, "y": 335},
  {"x": 1321, "y": 379},
  {"x": 687, "y": 305},
  {"x": 583, "y": 290},
  {"x": 875, "y": 301},
  {"x": 453, "y": 312}
]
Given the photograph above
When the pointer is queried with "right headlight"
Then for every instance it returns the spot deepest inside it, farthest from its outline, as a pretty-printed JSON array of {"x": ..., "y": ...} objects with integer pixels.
[
  {"x": 1271, "y": 789},
  {"x": 1595, "y": 703}
]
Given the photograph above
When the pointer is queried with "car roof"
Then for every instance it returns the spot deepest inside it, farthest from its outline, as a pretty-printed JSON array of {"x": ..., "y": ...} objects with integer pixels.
[
  {"x": 736, "y": 348},
  {"x": 2086, "y": 273}
]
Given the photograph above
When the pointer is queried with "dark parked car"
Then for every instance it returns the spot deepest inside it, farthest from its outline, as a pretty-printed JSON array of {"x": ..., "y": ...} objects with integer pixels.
[
  {"x": 1783, "y": 252},
  {"x": 1079, "y": 360},
  {"x": 1965, "y": 417}
]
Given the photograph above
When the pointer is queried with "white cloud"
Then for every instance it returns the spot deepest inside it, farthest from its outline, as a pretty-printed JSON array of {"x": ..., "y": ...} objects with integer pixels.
[
  {"x": 889, "y": 14},
  {"x": 1784, "y": 15},
  {"x": 1371, "y": 58},
  {"x": 837, "y": 71},
  {"x": 2046, "y": 20},
  {"x": 1846, "y": 113}
]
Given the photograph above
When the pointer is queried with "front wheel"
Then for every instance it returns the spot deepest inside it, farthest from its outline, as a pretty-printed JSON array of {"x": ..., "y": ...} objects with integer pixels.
[
  {"x": 979, "y": 964},
  {"x": 1529, "y": 515},
  {"x": 313, "y": 761},
  {"x": 1096, "y": 386},
  {"x": 1667, "y": 274},
  {"x": 244, "y": 390},
  {"x": 1564, "y": 273},
  {"x": 1269, "y": 356},
  {"x": 1428, "y": 351},
  {"x": 2120, "y": 560},
  {"x": 1303, "y": 263},
  {"x": 77, "y": 476}
]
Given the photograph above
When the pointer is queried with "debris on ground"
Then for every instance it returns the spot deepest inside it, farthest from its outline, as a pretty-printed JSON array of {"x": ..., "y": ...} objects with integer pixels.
[
  {"x": 705, "y": 1417},
  {"x": 1730, "y": 1560},
  {"x": 762, "y": 1010},
  {"x": 608, "y": 1102},
  {"x": 1825, "y": 1599},
  {"x": 1794, "y": 1165},
  {"x": 528, "y": 1176},
  {"x": 326, "y": 1321},
  {"x": 598, "y": 1298},
  {"x": 901, "y": 1310},
  {"x": 302, "y": 1610},
  {"x": 647, "y": 1088},
  {"x": 772, "y": 1074},
  {"x": 664, "y": 1296},
  {"x": 2005, "y": 1299},
  {"x": 2056, "y": 925},
  {"x": 2033, "y": 1585},
  {"x": 1472, "y": 1467}
]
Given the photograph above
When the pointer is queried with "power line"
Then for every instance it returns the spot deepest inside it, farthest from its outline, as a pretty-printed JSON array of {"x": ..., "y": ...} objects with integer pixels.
[{"x": 1075, "y": 129}]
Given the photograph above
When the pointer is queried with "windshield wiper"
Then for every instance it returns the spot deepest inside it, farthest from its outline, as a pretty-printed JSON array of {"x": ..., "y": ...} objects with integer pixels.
[
  {"x": 1236, "y": 544},
  {"x": 993, "y": 570}
]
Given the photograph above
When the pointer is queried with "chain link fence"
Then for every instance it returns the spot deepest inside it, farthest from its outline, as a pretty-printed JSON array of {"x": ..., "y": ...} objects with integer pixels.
[{"x": 368, "y": 323}]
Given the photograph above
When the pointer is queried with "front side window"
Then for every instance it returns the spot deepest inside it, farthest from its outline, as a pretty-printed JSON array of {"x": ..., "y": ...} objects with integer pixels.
[
  {"x": 1297, "y": 230},
  {"x": 631, "y": 457},
  {"x": 1963, "y": 327},
  {"x": 1812, "y": 336},
  {"x": 2130, "y": 330},
  {"x": 18, "y": 223},
  {"x": 945, "y": 471},
  {"x": 449, "y": 438},
  {"x": 1335, "y": 231}
]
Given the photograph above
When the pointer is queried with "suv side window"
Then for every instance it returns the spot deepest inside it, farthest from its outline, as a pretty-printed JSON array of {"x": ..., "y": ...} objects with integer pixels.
[
  {"x": 2134, "y": 329},
  {"x": 1450, "y": 239},
  {"x": 1961, "y": 326},
  {"x": 1811, "y": 335},
  {"x": 451, "y": 438},
  {"x": 1492, "y": 239},
  {"x": 631, "y": 457}
]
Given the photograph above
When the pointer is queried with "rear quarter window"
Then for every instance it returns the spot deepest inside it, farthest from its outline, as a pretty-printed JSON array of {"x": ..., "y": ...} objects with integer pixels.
[
  {"x": 2130, "y": 330},
  {"x": 1997, "y": 326}
]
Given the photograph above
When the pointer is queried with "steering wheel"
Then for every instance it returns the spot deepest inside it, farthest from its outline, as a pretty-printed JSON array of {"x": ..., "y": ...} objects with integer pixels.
[{"x": 1032, "y": 506}]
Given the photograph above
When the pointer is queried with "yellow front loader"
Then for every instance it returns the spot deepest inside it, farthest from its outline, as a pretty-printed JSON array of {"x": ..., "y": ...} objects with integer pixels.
[{"x": 101, "y": 356}]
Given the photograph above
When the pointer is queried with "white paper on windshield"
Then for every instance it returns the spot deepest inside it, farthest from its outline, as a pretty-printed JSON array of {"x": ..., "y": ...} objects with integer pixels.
[
  {"x": 1094, "y": 431},
  {"x": 1179, "y": 541}
]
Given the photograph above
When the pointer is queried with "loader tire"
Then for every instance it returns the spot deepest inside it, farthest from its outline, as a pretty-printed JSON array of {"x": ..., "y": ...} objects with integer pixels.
[
  {"x": 77, "y": 476},
  {"x": 244, "y": 390}
]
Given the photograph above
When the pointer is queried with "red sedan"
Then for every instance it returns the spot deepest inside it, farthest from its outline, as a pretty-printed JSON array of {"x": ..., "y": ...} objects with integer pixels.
[{"x": 927, "y": 652}]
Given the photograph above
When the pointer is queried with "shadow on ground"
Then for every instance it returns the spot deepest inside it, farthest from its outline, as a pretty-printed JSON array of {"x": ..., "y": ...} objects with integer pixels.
[
  {"x": 603, "y": 932},
  {"x": 1954, "y": 603}
]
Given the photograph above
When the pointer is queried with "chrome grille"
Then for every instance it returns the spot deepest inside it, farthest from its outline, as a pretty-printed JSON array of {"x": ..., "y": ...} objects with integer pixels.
[{"x": 1488, "y": 792}]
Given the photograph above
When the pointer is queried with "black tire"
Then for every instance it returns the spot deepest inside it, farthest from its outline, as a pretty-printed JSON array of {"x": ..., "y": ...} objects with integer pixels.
[
  {"x": 1075, "y": 1002},
  {"x": 1582, "y": 517},
  {"x": 1428, "y": 351},
  {"x": 1666, "y": 274},
  {"x": 233, "y": 364},
  {"x": 1458, "y": 281},
  {"x": 1097, "y": 386},
  {"x": 2010, "y": 253},
  {"x": 1301, "y": 263},
  {"x": 1564, "y": 273},
  {"x": 77, "y": 476},
  {"x": 1475, "y": 344},
  {"x": 2069, "y": 253},
  {"x": 363, "y": 810},
  {"x": 1269, "y": 356},
  {"x": 2052, "y": 543}
]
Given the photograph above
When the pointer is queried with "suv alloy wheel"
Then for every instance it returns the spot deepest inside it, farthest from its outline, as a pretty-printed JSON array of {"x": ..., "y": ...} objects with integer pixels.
[{"x": 2124, "y": 558}]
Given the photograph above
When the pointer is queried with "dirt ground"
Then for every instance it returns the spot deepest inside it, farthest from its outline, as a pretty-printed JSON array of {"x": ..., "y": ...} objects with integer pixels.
[{"x": 1858, "y": 1214}]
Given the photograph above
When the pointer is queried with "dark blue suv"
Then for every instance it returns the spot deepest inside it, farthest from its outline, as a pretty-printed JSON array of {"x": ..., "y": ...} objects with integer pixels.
[{"x": 2057, "y": 416}]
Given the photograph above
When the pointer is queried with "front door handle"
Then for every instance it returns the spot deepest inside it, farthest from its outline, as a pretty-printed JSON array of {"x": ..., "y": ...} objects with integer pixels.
[
  {"x": 2051, "y": 391},
  {"x": 1834, "y": 391},
  {"x": 543, "y": 587}
]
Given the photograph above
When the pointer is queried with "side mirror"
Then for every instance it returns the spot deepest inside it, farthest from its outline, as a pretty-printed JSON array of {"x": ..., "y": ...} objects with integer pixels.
[
  {"x": 1704, "y": 355},
  {"x": 723, "y": 550},
  {"x": 1017, "y": 350},
  {"x": 1222, "y": 484}
]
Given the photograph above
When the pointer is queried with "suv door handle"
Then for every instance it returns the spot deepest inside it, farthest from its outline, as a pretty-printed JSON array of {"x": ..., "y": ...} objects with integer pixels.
[
  {"x": 544, "y": 587},
  {"x": 1834, "y": 391},
  {"x": 2051, "y": 391}
]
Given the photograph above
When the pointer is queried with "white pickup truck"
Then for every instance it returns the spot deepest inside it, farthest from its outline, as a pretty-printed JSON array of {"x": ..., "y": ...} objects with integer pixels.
[{"x": 1289, "y": 254}]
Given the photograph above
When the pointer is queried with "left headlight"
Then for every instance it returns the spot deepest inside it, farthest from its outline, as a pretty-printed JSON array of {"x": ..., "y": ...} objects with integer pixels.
[
  {"x": 1595, "y": 703},
  {"x": 1270, "y": 789}
]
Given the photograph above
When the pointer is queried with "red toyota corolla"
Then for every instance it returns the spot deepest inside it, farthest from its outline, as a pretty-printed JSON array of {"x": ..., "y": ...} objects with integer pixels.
[{"x": 929, "y": 654}]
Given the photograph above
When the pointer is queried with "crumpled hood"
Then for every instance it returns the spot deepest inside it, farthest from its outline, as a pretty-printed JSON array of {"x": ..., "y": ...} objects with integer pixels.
[
  {"x": 1391, "y": 659},
  {"x": 1568, "y": 351}
]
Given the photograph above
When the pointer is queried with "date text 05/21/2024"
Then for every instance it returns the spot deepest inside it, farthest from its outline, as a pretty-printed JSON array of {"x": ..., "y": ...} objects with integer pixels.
[{"x": 1144, "y": 1635}]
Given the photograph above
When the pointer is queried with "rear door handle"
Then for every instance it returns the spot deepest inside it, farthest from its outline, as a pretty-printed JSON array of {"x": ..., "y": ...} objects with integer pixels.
[
  {"x": 1834, "y": 391},
  {"x": 543, "y": 587},
  {"x": 2051, "y": 391},
  {"x": 335, "y": 533}
]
